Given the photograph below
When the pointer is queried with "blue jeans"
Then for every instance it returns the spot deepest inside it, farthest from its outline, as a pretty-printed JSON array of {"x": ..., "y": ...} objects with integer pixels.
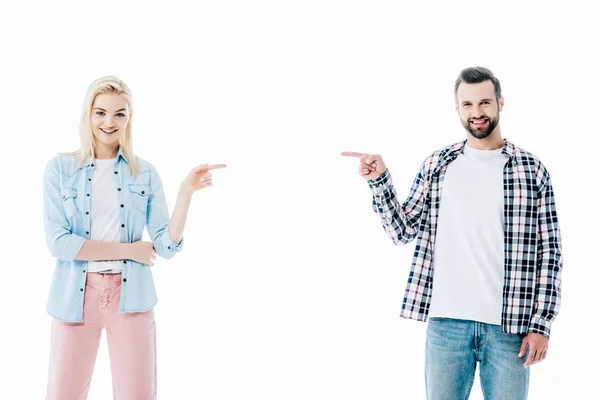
[{"x": 453, "y": 349}]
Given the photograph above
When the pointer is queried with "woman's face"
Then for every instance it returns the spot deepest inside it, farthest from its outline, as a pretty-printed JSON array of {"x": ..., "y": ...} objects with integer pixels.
[{"x": 110, "y": 116}]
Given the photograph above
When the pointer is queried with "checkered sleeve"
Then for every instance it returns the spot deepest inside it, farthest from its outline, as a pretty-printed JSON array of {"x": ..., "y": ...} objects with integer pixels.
[
  {"x": 400, "y": 222},
  {"x": 549, "y": 261}
]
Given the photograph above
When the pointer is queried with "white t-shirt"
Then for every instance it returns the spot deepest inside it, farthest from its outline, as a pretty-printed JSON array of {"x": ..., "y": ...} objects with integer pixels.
[
  {"x": 105, "y": 224},
  {"x": 468, "y": 260}
]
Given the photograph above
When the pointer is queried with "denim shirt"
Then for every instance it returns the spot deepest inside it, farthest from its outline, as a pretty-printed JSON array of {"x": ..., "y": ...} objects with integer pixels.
[{"x": 67, "y": 194}]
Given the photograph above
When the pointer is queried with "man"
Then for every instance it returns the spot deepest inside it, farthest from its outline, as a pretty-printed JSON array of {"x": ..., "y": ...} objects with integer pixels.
[{"x": 486, "y": 272}]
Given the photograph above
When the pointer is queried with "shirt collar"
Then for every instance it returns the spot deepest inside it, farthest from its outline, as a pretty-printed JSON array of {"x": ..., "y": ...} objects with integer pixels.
[
  {"x": 508, "y": 149},
  {"x": 89, "y": 163}
]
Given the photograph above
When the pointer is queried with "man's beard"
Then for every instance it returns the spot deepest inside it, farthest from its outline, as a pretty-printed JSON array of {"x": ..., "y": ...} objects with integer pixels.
[{"x": 480, "y": 133}]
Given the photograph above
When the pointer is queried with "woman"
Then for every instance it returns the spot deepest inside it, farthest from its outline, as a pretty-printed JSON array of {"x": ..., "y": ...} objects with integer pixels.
[{"x": 97, "y": 201}]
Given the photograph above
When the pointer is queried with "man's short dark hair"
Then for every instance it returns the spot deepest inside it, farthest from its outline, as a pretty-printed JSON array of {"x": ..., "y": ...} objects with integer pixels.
[{"x": 477, "y": 75}]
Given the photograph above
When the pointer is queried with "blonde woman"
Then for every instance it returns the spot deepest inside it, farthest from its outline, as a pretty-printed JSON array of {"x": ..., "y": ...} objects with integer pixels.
[{"x": 97, "y": 202}]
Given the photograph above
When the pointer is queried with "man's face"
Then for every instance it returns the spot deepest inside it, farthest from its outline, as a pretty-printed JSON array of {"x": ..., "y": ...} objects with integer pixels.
[{"x": 478, "y": 109}]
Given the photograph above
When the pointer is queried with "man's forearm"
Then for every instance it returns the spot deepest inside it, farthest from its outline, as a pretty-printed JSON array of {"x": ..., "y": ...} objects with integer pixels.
[{"x": 401, "y": 227}]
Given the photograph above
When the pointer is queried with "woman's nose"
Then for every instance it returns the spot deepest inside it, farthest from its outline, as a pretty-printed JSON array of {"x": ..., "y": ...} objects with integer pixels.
[{"x": 109, "y": 121}]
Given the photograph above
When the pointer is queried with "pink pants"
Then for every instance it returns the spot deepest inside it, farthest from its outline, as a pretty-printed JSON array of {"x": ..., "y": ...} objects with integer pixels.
[{"x": 131, "y": 341}]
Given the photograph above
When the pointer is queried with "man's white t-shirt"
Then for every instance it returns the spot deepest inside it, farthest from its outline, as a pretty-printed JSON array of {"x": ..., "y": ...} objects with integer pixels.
[{"x": 468, "y": 258}]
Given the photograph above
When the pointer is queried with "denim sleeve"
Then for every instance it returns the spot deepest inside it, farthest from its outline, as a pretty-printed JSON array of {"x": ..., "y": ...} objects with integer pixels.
[
  {"x": 61, "y": 242},
  {"x": 157, "y": 219}
]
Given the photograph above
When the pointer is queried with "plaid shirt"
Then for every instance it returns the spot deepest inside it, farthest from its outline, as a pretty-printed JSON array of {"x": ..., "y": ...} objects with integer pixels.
[{"x": 532, "y": 243}]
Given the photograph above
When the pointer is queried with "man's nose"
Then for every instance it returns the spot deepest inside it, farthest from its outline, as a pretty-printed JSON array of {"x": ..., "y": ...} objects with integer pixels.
[{"x": 476, "y": 112}]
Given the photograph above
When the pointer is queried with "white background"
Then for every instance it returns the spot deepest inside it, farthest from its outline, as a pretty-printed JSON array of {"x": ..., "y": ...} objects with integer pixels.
[{"x": 287, "y": 287}]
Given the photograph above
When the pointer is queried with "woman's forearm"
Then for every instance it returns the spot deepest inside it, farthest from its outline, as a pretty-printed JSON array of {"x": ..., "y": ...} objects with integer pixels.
[
  {"x": 180, "y": 212},
  {"x": 95, "y": 250}
]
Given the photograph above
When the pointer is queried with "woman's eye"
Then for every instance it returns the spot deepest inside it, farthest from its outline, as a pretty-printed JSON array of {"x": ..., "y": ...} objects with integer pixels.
[
  {"x": 99, "y": 113},
  {"x": 120, "y": 115}
]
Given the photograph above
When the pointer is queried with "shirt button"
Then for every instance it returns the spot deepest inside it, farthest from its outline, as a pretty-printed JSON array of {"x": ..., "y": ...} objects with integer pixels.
[
  {"x": 119, "y": 189},
  {"x": 122, "y": 205},
  {"x": 84, "y": 271},
  {"x": 87, "y": 213},
  {"x": 169, "y": 247},
  {"x": 64, "y": 197},
  {"x": 88, "y": 195},
  {"x": 90, "y": 179},
  {"x": 81, "y": 290},
  {"x": 116, "y": 172},
  {"x": 143, "y": 192},
  {"x": 92, "y": 165},
  {"x": 124, "y": 261},
  {"x": 87, "y": 233},
  {"x": 124, "y": 279},
  {"x": 122, "y": 225}
]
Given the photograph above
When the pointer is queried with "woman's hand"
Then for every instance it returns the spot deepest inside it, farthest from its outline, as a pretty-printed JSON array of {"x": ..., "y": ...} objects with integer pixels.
[
  {"x": 143, "y": 252},
  {"x": 200, "y": 177}
]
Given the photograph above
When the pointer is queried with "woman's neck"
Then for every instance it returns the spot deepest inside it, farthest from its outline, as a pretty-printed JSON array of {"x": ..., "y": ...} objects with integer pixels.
[{"x": 106, "y": 152}]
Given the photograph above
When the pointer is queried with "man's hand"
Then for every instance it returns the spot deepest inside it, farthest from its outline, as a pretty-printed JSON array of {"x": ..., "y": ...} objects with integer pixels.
[
  {"x": 371, "y": 165},
  {"x": 538, "y": 346}
]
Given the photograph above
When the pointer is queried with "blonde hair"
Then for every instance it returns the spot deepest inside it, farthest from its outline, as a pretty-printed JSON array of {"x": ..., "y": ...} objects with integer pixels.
[{"x": 106, "y": 84}]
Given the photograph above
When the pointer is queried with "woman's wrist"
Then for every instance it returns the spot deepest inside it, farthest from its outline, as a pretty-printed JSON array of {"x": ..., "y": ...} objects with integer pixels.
[{"x": 185, "y": 190}]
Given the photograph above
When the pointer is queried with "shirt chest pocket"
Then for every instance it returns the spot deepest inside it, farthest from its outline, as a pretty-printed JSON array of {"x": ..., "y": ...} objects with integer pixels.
[
  {"x": 68, "y": 196},
  {"x": 139, "y": 196}
]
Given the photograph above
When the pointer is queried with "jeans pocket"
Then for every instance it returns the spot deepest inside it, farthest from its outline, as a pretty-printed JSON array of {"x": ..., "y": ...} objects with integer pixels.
[{"x": 434, "y": 319}]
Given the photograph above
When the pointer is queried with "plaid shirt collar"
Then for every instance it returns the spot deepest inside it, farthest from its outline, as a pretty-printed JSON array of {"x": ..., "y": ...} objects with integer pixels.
[{"x": 453, "y": 151}]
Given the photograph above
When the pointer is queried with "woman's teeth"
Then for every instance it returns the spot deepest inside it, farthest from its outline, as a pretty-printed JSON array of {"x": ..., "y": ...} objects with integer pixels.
[{"x": 108, "y": 131}]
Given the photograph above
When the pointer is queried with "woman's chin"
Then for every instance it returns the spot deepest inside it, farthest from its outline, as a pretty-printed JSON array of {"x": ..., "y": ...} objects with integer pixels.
[{"x": 107, "y": 141}]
